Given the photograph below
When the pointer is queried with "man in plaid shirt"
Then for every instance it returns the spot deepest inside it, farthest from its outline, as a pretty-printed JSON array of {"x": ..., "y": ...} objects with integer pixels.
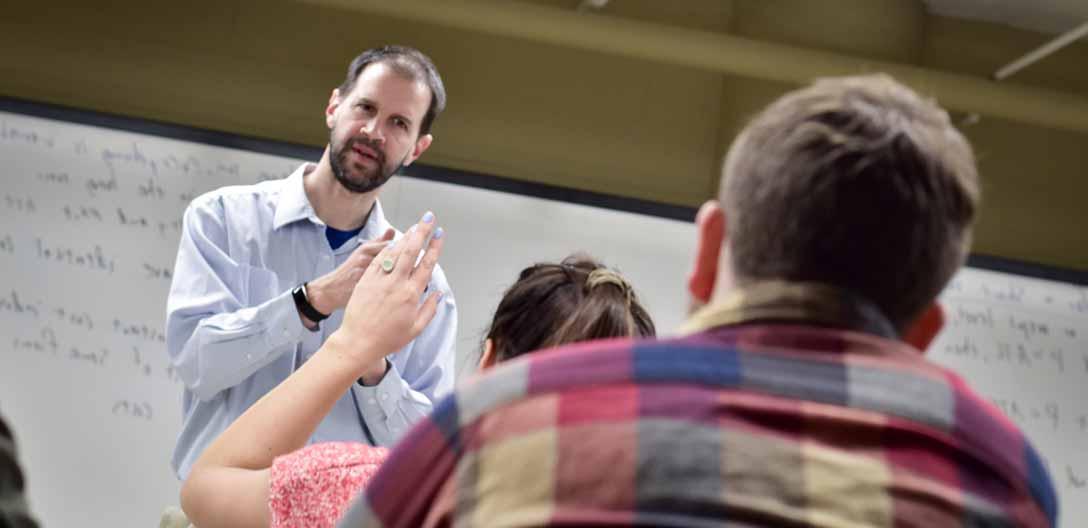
[{"x": 797, "y": 396}]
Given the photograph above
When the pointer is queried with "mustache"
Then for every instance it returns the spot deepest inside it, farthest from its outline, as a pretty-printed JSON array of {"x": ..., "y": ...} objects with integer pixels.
[{"x": 371, "y": 144}]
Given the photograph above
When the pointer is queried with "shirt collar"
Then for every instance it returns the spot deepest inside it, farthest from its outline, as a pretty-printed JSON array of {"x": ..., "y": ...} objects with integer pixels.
[
  {"x": 293, "y": 205},
  {"x": 801, "y": 302}
]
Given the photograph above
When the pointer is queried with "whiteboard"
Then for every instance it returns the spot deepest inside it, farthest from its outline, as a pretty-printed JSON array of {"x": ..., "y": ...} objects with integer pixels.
[{"x": 91, "y": 219}]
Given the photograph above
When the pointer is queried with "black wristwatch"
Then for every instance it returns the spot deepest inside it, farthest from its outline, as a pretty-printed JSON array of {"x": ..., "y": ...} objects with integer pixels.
[{"x": 304, "y": 306}]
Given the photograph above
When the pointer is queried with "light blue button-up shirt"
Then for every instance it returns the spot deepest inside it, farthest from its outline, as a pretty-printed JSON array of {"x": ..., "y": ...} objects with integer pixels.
[{"x": 233, "y": 332}]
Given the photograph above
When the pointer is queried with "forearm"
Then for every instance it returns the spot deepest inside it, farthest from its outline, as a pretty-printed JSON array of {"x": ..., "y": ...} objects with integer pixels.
[
  {"x": 403, "y": 397},
  {"x": 218, "y": 351},
  {"x": 283, "y": 420}
]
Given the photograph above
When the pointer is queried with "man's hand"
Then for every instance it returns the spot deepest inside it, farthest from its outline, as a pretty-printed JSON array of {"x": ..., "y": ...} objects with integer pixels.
[{"x": 331, "y": 292}]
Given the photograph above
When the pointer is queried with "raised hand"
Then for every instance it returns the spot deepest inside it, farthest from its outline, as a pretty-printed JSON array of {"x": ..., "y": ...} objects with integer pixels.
[
  {"x": 330, "y": 292},
  {"x": 384, "y": 312}
]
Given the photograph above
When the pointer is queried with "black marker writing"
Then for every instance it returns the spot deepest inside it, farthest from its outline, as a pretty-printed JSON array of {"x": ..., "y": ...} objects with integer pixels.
[
  {"x": 151, "y": 189},
  {"x": 156, "y": 272},
  {"x": 94, "y": 259},
  {"x": 15, "y": 304},
  {"x": 11, "y": 134},
  {"x": 61, "y": 178},
  {"x": 1075, "y": 480},
  {"x": 20, "y": 204},
  {"x": 45, "y": 342},
  {"x": 133, "y": 409}
]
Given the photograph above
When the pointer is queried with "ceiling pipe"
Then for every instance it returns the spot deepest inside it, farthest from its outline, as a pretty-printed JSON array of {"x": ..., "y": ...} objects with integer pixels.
[
  {"x": 1039, "y": 53},
  {"x": 726, "y": 54}
]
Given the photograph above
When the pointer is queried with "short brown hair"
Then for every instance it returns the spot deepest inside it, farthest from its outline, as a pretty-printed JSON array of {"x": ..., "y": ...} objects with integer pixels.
[
  {"x": 856, "y": 182},
  {"x": 412, "y": 64},
  {"x": 576, "y": 300}
]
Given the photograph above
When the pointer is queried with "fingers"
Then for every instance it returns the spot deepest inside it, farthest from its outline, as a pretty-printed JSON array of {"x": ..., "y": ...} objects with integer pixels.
[
  {"x": 422, "y": 274},
  {"x": 388, "y": 235},
  {"x": 426, "y": 312},
  {"x": 408, "y": 247},
  {"x": 405, "y": 251},
  {"x": 367, "y": 250}
]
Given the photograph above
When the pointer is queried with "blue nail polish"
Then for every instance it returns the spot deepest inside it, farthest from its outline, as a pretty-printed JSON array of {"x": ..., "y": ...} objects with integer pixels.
[
  {"x": 428, "y": 217},
  {"x": 438, "y": 233}
]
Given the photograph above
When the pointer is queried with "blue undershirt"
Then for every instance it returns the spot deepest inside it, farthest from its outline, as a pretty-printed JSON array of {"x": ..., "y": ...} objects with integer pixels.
[{"x": 337, "y": 237}]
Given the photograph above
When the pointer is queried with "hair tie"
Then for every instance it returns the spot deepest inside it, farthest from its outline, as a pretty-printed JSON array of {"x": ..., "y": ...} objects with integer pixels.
[{"x": 601, "y": 276}]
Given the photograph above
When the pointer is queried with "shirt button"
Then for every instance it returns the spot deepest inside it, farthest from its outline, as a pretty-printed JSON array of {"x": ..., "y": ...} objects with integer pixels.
[{"x": 372, "y": 401}]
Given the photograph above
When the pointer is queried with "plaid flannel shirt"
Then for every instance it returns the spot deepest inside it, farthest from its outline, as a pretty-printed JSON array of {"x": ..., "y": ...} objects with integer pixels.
[{"x": 787, "y": 405}]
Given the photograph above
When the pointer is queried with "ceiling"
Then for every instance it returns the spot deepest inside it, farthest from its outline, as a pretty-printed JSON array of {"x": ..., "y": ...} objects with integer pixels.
[{"x": 1047, "y": 16}]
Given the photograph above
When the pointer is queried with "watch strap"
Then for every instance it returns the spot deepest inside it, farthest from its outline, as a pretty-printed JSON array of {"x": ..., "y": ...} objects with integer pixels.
[{"x": 304, "y": 306}]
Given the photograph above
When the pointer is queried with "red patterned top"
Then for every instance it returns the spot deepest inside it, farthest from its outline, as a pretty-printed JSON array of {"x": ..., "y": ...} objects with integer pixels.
[{"x": 314, "y": 485}]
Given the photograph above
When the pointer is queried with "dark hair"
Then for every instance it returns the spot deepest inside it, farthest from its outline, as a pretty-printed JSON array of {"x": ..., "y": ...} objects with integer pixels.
[
  {"x": 554, "y": 304},
  {"x": 855, "y": 182},
  {"x": 409, "y": 62}
]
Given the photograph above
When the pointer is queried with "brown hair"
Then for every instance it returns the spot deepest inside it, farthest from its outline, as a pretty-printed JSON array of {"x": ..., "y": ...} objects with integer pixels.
[
  {"x": 410, "y": 63},
  {"x": 856, "y": 182},
  {"x": 576, "y": 300}
]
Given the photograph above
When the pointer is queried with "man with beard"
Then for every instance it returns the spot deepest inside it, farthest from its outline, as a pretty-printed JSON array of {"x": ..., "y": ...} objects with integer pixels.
[{"x": 263, "y": 271}]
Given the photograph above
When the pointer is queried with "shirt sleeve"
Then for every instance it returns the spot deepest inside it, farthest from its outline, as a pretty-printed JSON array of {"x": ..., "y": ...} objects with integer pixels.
[
  {"x": 14, "y": 512},
  {"x": 313, "y": 486},
  {"x": 401, "y": 399},
  {"x": 225, "y": 319}
]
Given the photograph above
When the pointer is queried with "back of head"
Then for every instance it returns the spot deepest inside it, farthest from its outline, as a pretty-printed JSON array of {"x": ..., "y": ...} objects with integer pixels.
[
  {"x": 854, "y": 182},
  {"x": 555, "y": 304}
]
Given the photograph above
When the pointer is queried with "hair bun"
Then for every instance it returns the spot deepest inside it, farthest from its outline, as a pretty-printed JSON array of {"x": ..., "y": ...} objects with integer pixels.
[{"x": 601, "y": 276}]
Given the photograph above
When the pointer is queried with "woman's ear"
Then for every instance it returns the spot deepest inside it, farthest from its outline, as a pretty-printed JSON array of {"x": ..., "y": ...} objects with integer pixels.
[
  {"x": 921, "y": 333},
  {"x": 487, "y": 359}
]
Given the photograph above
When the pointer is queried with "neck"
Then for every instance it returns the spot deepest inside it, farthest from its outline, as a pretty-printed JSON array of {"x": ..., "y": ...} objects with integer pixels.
[
  {"x": 338, "y": 207},
  {"x": 724, "y": 282}
]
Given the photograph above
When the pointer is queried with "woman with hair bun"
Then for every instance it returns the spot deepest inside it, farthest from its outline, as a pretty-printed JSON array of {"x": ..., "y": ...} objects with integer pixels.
[{"x": 257, "y": 473}]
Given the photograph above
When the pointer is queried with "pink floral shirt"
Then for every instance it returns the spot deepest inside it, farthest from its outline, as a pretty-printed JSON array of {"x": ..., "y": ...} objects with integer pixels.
[{"x": 314, "y": 485}]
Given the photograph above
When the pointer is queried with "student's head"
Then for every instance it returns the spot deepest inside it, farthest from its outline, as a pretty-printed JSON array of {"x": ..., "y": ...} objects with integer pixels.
[
  {"x": 853, "y": 182},
  {"x": 554, "y": 304},
  {"x": 380, "y": 118}
]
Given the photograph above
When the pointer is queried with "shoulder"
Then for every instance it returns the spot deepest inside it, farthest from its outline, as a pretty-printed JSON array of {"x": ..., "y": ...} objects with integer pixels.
[
  {"x": 318, "y": 482},
  {"x": 983, "y": 429},
  {"x": 243, "y": 199},
  {"x": 542, "y": 373},
  {"x": 338, "y": 456}
]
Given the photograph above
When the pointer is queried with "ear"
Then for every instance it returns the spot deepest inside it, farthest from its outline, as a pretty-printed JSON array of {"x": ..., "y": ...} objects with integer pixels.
[
  {"x": 925, "y": 328},
  {"x": 487, "y": 359},
  {"x": 330, "y": 110},
  {"x": 422, "y": 144},
  {"x": 710, "y": 235}
]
